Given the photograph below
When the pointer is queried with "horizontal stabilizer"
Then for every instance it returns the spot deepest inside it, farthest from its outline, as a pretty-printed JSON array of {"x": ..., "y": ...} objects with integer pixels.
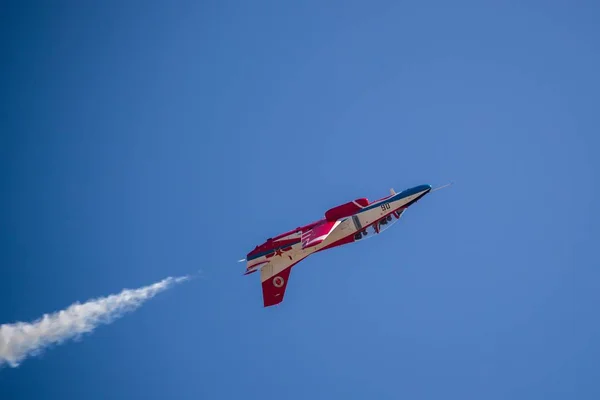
[{"x": 274, "y": 279}]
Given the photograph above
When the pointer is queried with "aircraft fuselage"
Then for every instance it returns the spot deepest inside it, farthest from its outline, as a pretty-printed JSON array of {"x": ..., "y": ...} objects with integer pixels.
[{"x": 351, "y": 228}]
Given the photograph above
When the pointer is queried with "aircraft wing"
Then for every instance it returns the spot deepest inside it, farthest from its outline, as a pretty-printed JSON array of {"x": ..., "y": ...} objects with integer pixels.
[
  {"x": 318, "y": 233},
  {"x": 274, "y": 278}
]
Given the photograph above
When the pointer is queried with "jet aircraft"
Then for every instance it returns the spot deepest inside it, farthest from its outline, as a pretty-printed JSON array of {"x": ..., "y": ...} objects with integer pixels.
[{"x": 346, "y": 223}]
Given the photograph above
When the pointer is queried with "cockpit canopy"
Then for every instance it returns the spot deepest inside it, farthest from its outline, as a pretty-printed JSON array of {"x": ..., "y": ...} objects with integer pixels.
[{"x": 347, "y": 209}]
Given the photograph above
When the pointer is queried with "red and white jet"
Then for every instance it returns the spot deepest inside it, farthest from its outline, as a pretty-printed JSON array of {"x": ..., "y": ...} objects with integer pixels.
[{"x": 341, "y": 225}]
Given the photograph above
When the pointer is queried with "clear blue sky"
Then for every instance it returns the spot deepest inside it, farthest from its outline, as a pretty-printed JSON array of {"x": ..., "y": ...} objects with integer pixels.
[{"x": 140, "y": 140}]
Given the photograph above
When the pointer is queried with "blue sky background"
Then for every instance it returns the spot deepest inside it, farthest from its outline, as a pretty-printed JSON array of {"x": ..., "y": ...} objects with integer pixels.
[{"x": 149, "y": 139}]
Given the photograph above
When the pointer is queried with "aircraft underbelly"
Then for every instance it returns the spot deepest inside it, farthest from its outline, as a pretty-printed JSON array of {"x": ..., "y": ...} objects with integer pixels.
[{"x": 366, "y": 218}]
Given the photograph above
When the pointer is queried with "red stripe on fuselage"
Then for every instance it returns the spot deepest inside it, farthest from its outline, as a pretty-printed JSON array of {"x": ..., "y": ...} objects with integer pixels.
[
  {"x": 299, "y": 229},
  {"x": 275, "y": 242},
  {"x": 340, "y": 242},
  {"x": 270, "y": 246}
]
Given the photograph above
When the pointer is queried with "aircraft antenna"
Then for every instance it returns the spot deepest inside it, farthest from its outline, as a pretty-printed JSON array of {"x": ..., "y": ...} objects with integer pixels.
[{"x": 441, "y": 187}]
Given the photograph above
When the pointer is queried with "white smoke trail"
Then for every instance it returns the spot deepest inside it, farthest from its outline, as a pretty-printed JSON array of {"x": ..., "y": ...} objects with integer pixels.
[{"x": 22, "y": 339}]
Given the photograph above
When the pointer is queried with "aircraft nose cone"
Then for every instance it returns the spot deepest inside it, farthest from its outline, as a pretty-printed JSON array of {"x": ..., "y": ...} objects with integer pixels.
[
  {"x": 420, "y": 191},
  {"x": 421, "y": 188}
]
